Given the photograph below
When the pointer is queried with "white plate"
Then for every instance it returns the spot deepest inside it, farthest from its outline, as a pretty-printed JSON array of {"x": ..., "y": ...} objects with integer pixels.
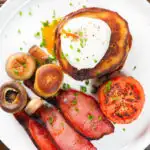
[{"x": 136, "y": 12}]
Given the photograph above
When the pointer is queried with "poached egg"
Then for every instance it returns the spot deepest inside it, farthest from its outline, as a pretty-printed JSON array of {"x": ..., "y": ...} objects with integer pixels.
[{"x": 84, "y": 41}]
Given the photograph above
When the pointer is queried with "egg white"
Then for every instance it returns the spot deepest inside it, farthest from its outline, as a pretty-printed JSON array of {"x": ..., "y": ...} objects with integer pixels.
[{"x": 93, "y": 40}]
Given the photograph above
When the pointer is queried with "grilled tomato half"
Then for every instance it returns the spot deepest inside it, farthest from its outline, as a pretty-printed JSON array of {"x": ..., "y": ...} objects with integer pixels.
[{"x": 121, "y": 99}]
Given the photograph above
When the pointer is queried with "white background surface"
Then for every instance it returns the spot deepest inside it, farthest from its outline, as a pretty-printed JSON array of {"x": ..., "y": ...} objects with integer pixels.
[{"x": 136, "y": 12}]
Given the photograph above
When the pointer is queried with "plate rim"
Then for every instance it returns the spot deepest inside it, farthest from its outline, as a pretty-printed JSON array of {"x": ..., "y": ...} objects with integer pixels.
[{"x": 138, "y": 144}]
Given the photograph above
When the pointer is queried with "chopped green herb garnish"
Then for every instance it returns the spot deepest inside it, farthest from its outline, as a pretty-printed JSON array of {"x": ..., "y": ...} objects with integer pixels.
[
  {"x": 83, "y": 42},
  {"x": 20, "y": 82},
  {"x": 66, "y": 86},
  {"x": 108, "y": 86},
  {"x": 53, "y": 52},
  {"x": 20, "y": 13},
  {"x": 99, "y": 118},
  {"x": 70, "y": 4},
  {"x": 77, "y": 59},
  {"x": 43, "y": 43},
  {"x": 51, "y": 59},
  {"x": 21, "y": 48},
  {"x": 76, "y": 94},
  {"x": 90, "y": 117},
  {"x": 80, "y": 33},
  {"x": 45, "y": 24},
  {"x": 16, "y": 72},
  {"x": 54, "y": 14},
  {"x": 54, "y": 22},
  {"x": 83, "y": 6},
  {"x": 24, "y": 65},
  {"x": 87, "y": 82},
  {"x": 71, "y": 47},
  {"x": 19, "y": 31},
  {"x": 134, "y": 67},
  {"x": 69, "y": 30},
  {"x": 83, "y": 89},
  {"x": 124, "y": 129},
  {"x": 78, "y": 50},
  {"x": 65, "y": 36},
  {"x": 95, "y": 60},
  {"x": 74, "y": 102},
  {"x": 30, "y": 13},
  {"x": 51, "y": 120},
  {"x": 66, "y": 55},
  {"x": 38, "y": 64},
  {"x": 62, "y": 55},
  {"x": 37, "y": 34},
  {"x": 115, "y": 98}
]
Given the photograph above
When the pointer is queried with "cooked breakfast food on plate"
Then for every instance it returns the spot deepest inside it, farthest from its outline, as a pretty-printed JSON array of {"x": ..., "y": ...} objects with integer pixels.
[
  {"x": 63, "y": 134},
  {"x": 20, "y": 66},
  {"x": 51, "y": 76},
  {"x": 121, "y": 99},
  {"x": 38, "y": 133},
  {"x": 84, "y": 47},
  {"x": 13, "y": 97},
  {"x": 39, "y": 55},
  {"x": 101, "y": 43},
  {"x": 88, "y": 120}
]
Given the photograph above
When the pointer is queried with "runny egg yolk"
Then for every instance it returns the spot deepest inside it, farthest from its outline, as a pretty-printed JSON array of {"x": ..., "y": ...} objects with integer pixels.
[{"x": 48, "y": 33}]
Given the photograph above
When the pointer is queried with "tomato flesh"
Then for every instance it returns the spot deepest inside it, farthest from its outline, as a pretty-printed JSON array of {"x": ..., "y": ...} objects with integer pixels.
[{"x": 121, "y": 99}]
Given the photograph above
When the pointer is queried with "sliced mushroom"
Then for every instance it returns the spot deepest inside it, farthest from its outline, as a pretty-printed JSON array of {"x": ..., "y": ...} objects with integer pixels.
[
  {"x": 13, "y": 97},
  {"x": 20, "y": 66},
  {"x": 48, "y": 80}
]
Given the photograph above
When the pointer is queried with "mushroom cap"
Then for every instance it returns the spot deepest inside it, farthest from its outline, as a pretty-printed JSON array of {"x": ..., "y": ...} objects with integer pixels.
[
  {"x": 48, "y": 80},
  {"x": 20, "y": 66},
  {"x": 13, "y": 97}
]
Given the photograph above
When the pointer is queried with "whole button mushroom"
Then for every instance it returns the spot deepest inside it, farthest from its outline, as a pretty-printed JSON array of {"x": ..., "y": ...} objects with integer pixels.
[
  {"x": 13, "y": 97},
  {"x": 48, "y": 79},
  {"x": 20, "y": 66}
]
